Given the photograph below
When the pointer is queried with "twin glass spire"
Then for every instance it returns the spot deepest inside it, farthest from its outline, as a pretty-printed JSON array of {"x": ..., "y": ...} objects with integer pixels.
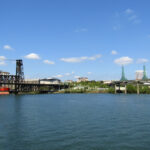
[
  {"x": 144, "y": 73},
  {"x": 123, "y": 78}
]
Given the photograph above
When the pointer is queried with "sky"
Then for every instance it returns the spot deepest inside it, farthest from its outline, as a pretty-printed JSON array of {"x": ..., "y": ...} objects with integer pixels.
[{"x": 68, "y": 39}]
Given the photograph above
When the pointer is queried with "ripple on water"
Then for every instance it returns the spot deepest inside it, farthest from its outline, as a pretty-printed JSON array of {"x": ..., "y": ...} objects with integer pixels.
[{"x": 75, "y": 122}]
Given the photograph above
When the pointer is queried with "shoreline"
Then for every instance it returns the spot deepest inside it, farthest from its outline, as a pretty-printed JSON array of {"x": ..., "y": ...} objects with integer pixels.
[{"x": 60, "y": 92}]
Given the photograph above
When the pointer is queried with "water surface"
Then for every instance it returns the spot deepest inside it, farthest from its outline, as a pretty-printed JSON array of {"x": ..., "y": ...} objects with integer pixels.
[{"x": 75, "y": 122}]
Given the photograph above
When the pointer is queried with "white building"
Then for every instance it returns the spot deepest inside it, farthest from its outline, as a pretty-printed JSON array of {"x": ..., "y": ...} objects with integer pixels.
[
  {"x": 69, "y": 81},
  {"x": 4, "y": 73},
  {"x": 50, "y": 81},
  {"x": 107, "y": 81},
  {"x": 82, "y": 79},
  {"x": 139, "y": 74},
  {"x": 32, "y": 81}
]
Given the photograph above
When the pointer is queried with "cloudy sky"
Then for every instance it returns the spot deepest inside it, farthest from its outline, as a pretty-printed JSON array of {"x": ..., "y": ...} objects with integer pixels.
[{"x": 72, "y": 38}]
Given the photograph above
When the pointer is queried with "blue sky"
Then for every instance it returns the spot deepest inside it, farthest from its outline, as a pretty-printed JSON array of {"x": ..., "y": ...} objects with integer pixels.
[{"x": 71, "y": 38}]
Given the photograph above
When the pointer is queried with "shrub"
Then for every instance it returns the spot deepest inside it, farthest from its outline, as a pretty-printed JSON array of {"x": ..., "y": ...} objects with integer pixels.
[
  {"x": 131, "y": 88},
  {"x": 145, "y": 90},
  {"x": 111, "y": 90}
]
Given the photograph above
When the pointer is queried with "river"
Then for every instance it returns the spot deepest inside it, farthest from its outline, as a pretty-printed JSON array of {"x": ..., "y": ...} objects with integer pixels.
[{"x": 75, "y": 122}]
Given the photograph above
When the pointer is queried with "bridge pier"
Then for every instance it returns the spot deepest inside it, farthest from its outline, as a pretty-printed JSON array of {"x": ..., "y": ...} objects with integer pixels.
[
  {"x": 138, "y": 89},
  {"x": 120, "y": 88},
  {"x": 125, "y": 89}
]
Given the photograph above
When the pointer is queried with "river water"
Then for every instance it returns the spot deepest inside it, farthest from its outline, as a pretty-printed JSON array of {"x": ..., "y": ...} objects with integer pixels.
[{"x": 75, "y": 122}]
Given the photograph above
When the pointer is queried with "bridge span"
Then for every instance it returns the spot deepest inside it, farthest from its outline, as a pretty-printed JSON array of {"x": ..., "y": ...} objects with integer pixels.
[{"x": 17, "y": 84}]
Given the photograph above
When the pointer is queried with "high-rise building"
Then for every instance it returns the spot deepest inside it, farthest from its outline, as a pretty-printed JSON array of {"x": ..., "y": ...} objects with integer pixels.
[
  {"x": 123, "y": 78},
  {"x": 139, "y": 75},
  {"x": 144, "y": 73}
]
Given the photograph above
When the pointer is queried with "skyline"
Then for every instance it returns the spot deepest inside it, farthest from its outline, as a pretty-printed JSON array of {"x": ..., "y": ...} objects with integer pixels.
[{"x": 72, "y": 38}]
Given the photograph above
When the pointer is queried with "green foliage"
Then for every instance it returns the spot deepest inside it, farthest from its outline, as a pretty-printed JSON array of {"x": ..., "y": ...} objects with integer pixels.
[
  {"x": 86, "y": 87},
  {"x": 144, "y": 90},
  {"x": 111, "y": 90},
  {"x": 91, "y": 84},
  {"x": 131, "y": 88}
]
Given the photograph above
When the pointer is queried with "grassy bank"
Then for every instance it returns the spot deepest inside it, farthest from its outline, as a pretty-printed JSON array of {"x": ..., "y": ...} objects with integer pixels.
[
  {"x": 95, "y": 87},
  {"x": 100, "y": 87}
]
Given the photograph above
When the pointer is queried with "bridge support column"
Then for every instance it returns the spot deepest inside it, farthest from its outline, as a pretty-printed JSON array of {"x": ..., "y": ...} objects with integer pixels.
[
  {"x": 138, "y": 89},
  {"x": 125, "y": 91},
  {"x": 115, "y": 89}
]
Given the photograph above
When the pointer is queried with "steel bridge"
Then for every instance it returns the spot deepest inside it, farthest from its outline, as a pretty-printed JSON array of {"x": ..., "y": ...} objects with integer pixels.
[{"x": 17, "y": 84}]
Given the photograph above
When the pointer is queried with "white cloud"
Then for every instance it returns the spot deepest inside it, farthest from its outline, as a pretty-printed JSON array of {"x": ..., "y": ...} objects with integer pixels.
[
  {"x": 58, "y": 76},
  {"x": 7, "y": 47},
  {"x": 64, "y": 75},
  {"x": 89, "y": 73},
  {"x": 76, "y": 77},
  {"x": 129, "y": 15},
  {"x": 32, "y": 56},
  {"x": 2, "y": 58},
  {"x": 49, "y": 62},
  {"x": 142, "y": 60},
  {"x": 116, "y": 27},
  {"x": 94, "y": 57},
  {"x": 67, "y": 74},
  {"x": 113, "y": 52},
  {"x": 71, "y": 60},
  {"x": 80, "y": 59},
  {"x": 129, "y": 11},
  {"x": 2, "y": 63},
  {"x": 132, "y": 16},
  {"x": 123, "y": 61}
]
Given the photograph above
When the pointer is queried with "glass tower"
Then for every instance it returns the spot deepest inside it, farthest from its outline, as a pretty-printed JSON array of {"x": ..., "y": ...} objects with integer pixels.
[
  {"x": 123, "y": 78},
  {"x": 144, "y": 73}
]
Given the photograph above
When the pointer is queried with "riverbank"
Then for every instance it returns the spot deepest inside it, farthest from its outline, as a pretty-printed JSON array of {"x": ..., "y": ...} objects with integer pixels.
[
  {"x": 94, "y": 87},
  {"x": 88, "y": 87}
]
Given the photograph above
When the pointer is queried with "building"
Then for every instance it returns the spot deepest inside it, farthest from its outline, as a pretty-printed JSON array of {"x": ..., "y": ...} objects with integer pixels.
[
  {"x": 69, "y": 81},
  {"x": 50, "y": 81},
  {"x": 4, "y": 73},
  {"x": 144, "y": 73},
  {"x": 32, "y": 81},
  {"x": 139, "y": 75},
  {"x": 82, "y": 79},
  {"x": 107, "y": 81},
  {"x": 123, "y": 78}
]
